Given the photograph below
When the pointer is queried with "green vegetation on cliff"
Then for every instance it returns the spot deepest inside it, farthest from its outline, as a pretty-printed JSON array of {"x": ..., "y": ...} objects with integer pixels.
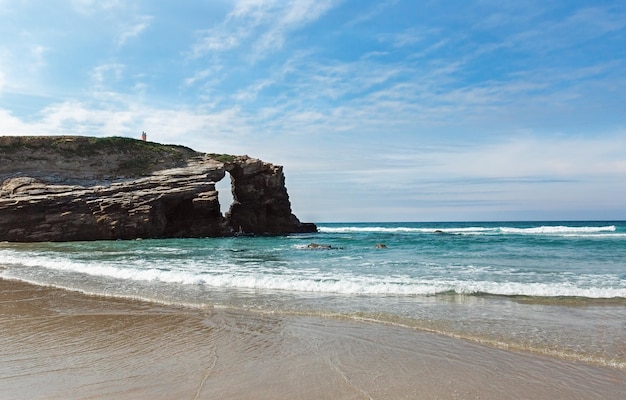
[
  {"x": 223, "y": 158},
  {"x": 93, "y": 156}
]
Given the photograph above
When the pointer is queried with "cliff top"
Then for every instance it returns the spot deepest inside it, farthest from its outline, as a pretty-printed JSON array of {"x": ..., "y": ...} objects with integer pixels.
[{"x": 72, "y": 159}]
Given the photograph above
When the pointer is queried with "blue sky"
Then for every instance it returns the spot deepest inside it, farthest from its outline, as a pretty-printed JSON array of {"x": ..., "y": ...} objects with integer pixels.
[{"x": 399, "y": 110}]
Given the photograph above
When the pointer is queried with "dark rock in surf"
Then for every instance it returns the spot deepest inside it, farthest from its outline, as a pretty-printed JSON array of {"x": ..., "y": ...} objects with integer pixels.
[{"x": 318, "y": 246}]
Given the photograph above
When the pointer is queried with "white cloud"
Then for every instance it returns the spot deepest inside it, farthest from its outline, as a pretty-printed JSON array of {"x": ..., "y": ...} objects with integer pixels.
[
  {"x": 11, "y": 125},
  {"x": 372, "y": 13},
  {"x": 534, "y": 156},
  {"x": 103, "y": 74},
  {"x": 211, "y": 73},
  {"x": 263, "y": 25},
  {"x": 294, "y": 16},
  {"x": 139, "y": 26},
  {"x": 512, "y": 167},
  {"x": 250, "y": 93},
  {"x": 239, "y": 25},
  {"x": 255, "y": 11},
  {"x": 217, "y": 40}
]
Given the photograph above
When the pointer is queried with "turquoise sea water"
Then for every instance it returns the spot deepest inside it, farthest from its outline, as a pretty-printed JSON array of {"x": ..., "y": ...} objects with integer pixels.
[{"x": 557, "y": 288}]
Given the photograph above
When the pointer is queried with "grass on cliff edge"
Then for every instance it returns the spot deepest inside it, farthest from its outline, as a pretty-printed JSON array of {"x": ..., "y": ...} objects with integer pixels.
[
  {"x": 138, "y": 157},
  {"x": 88, "y": 145},
  {"x": 224, "y": 158}
]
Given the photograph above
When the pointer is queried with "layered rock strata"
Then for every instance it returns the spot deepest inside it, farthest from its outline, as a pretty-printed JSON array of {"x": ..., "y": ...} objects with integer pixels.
[{"x": 79, "y": 188}]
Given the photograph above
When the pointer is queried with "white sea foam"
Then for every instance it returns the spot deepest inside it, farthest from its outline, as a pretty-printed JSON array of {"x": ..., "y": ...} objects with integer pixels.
[
  {"x": 405, "y": 230},
  {"x": 476, "y": 230},
  {"x": 550, "y": 230},
  {"x": 358, "y": 229},
  {"x": 312, "y": 280}
]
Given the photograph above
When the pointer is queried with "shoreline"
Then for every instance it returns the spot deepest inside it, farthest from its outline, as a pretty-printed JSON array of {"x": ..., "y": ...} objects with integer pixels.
[
  {"x": 60, "y": 344},
  {"x": 610, "y": 354}
]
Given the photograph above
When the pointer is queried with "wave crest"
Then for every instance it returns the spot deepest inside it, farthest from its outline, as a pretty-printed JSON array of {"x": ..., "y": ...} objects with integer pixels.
[{"x": 477, "y": 230}]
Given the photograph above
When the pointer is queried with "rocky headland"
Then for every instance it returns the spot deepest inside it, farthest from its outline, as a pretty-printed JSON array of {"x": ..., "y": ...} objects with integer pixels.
[{"x": 68, "y": 188}]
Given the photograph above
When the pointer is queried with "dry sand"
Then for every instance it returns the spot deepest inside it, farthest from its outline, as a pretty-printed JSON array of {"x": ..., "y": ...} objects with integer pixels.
[{"x": 56, "y": 344}]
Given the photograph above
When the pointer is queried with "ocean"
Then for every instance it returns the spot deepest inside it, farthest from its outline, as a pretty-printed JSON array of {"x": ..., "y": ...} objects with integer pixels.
[{"x": 552, "y": 288}]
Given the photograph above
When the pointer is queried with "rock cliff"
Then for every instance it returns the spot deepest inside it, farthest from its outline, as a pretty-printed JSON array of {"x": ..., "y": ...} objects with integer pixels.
[{"x": 62, "y": 188}]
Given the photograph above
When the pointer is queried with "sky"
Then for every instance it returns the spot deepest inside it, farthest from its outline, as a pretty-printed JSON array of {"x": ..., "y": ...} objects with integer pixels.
[{"x": 385, "y": 110}]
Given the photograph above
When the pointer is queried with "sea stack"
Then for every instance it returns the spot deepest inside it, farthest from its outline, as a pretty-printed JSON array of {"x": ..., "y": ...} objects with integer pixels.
[{"x": 69, "y": 188}]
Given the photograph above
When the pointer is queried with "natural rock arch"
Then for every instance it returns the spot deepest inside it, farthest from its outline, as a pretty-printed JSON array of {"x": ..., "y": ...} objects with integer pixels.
[
  {"x": 78, "y": 188},
  {"x": 260, "y": 201}
]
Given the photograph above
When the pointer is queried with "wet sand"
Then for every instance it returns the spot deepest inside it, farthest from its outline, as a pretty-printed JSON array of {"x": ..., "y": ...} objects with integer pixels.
[{"x": 56, "y": 344}]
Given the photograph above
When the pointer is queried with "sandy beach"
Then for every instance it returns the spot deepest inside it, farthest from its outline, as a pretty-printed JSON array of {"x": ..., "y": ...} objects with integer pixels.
[{"x": 56, "y": 344}]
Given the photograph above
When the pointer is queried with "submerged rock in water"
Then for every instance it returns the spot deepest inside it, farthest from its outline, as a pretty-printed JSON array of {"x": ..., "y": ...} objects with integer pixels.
[
  {"x": 83, "y": 188},
  {"x": 319, "y": 246}
]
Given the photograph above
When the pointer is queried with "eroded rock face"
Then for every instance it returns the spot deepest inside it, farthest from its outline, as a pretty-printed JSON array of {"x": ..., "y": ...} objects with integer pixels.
[
  {"x": 71, "y": 191},
  {"x": 261, "y": 203}
]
